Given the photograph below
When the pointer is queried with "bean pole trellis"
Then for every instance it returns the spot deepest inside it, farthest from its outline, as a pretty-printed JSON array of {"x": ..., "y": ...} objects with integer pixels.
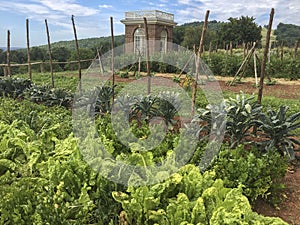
[{"x": 8, "y": 65}]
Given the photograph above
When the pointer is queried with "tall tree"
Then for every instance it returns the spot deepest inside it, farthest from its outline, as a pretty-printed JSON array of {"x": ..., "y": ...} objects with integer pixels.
[
  {"x": 192, "y": 35},
  {"x": 178, "y": 34},
  {"x": 61, "y": 54},
  {"x": 239, "y": 30},
  {"x": 38, "y": 53},
  {"x": 84, "y": 55}
]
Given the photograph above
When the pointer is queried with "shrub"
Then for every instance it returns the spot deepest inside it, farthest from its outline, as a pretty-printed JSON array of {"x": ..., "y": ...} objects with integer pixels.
[
  {"x": 259, "y": 173},
  {"x": 14, "y": 87}
]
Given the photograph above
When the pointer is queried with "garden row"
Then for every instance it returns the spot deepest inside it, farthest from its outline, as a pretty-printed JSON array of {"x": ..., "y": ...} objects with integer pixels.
[
  {"x": 238, "y": 115},
  {"x": 220, "y": 63}
]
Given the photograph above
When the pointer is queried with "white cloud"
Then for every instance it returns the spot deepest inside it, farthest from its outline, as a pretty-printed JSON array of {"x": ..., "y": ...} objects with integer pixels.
[
  {"x": 23, "y": 8},
  {"x": 285, "y": 11},
  {"x": 184, "y": 2},
  {"x": 68, "y": 7},
  {"x": 105, "y": 6}
]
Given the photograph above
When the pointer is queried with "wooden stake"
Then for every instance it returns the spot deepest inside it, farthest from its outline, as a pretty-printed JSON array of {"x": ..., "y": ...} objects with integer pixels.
[
  {"x": 281, "y": 52},
  {"x": 139, "y": 64},
  {"x": 28, "y": 50},
  {"x": 8, "y": 54},
  {"x": 42, "y": 67},
  {"x": 78, "y": 52},
  {"x": 100, "y": 60},
  {"x": 50, "y": 54},
  {"x": 263, "y": 63},
  {"x": 296, "y": 49},
  {"x": 147, "y": 56},
  {"x": 5, "y": 70},
  {"x": 255, "y": 69},
  {"x": 210, "y": 49},
  {"x": 226, "y": 61},
  {"x": 198, "y": 63},
  {"x": 244, "y": 64},
  {"x": 112, "y": 57}
]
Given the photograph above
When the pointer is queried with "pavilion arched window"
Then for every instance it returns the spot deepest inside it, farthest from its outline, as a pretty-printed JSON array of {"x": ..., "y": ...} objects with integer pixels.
[
  {"x": 139, "y": 41},
  {"x": 163, "y": 41}
]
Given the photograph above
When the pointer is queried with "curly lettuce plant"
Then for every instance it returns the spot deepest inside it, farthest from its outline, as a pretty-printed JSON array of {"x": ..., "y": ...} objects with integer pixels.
[{"x": 188, "y": 197}]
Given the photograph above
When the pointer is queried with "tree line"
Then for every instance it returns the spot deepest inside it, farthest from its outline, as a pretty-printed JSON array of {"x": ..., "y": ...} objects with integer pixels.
[{"x": 235, "y": 31}]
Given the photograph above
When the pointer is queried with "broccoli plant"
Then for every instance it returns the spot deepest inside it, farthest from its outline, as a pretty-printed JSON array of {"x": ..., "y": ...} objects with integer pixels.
[
  {"x": 168, "y": 105},
  {"x": 145, "y": 108},
  {"x": 279, "y": 128},
  {"x": 241, "y": 116}
]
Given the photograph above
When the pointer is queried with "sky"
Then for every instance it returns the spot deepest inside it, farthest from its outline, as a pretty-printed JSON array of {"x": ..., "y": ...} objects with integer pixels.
[{"x": 92, "y": 17}]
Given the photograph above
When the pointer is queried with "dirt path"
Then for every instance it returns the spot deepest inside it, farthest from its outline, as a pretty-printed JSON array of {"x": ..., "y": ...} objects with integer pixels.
[
  {"x": 289, "y": 209},
  {"x": 282, "y": 89}
]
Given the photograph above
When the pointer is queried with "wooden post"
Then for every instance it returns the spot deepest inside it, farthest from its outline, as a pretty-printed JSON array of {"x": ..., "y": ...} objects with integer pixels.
[
  {"x": 8, "y": 54},
  {"x": 227, "y": 49},
  {"x": 247, "y": 48},
  {"x": 244, "y": 46},
  {"x": 263, "y": 63},
  {"x": 28, "y": 50},
  {"x": 50, "y": 54},
  {"x": 230, "y": 46},
  {"x": 296, "y": 48},
  {"x": 42, "y": 67},
  {"x": 4, "y": 70},
  {"x": 226, "y": 61},
  {"x": 139, "y": 64},
  {"x": 281, "y": 52},
  {"x": 147, "y": 56},
  {"x": 78, "y": 53},
  {"x": 198, "y": 63},
  {"x": 100, "y": 61},
  {"x": 112, "y": 57},
  {"x": 255, "y": 69},
  {"x": 269, "y": 53}
]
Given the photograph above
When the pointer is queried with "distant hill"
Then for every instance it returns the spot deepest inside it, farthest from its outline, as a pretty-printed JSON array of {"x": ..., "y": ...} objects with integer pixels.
[
  {"x": 288, "y": 34},
  {"x": 89, "y": 43},
  {"x": 211, "y": 25},
  {"x": 12, "y": 48}
]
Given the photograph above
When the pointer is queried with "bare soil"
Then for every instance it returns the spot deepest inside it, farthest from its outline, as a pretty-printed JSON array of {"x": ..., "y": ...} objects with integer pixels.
[
  {"x": 289, "y": 209},
  {"x": 285, "y": 89}
]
